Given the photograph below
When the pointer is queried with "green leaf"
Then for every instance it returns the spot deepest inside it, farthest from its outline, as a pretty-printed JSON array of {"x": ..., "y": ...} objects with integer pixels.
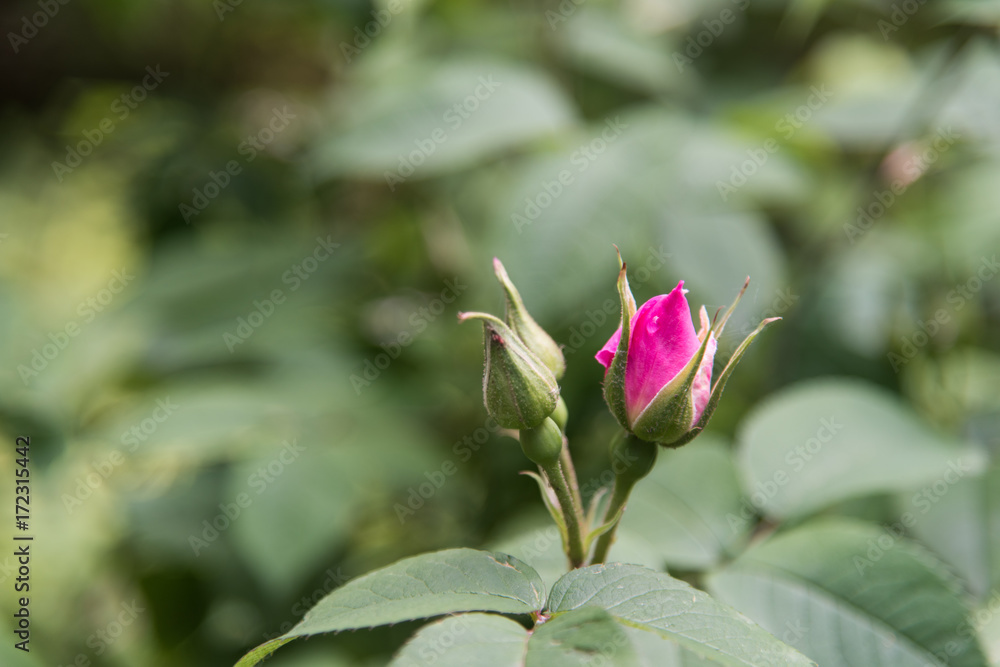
[
  {"x": 428, "y": 585},
  {"x": 961, "y": 523},
  {"x": 584, "y": 637},
  {"x": 825, "y": 441},
  {"x": 533, "y": 539},
  {"x": 687, "y": 620},
  {"x": 680, "y": 510},
  {"x": 484, "y": 640},
  {"x": 850, "y": 593},
  {"x": 261, "y": 652},
  {"x": 588, "y": 636}
]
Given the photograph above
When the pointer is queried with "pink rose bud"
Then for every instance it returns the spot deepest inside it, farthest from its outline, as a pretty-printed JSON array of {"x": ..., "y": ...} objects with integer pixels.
[{"x": 658, "y": 373}]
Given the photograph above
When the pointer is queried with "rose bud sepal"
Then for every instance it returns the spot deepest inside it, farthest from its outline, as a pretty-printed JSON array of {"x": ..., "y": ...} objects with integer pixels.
[
  {"x": 671, "y": 413},
  {"x": 534, "y": 337},
  {"x": 614, "y": 379},
  {"x": 519, "y": 391},
  {"x": 720, "y": 385}
]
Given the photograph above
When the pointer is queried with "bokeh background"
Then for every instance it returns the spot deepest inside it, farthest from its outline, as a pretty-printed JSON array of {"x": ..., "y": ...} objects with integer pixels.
[{"x": 234, "y": 236}]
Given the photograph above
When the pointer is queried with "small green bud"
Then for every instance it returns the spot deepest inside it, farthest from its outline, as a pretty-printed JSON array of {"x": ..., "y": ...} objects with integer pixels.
[
  {"x": 527, "y": 329},
  {"x": 632, "y": 458},
  {"x": 543, "y": 444},
  {"x": 518, "y": 389},
  {"x": 561, "y": 414}
]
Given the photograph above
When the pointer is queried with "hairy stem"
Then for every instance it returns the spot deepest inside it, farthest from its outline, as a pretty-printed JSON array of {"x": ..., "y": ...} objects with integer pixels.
[
  {"x": 619, "y": 497},
  {"x": 572, "y": 511}
]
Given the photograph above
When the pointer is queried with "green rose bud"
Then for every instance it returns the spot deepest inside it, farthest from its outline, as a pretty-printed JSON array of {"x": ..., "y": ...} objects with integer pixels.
[
  {"x": 518, "y": 389},
  {"x": 543, "y": 444},
  {"x": 561, "y": 414}
]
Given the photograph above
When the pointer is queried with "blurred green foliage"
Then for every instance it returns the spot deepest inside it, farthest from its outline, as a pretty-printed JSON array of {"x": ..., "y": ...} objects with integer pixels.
[{"x": 343, "y": 187}]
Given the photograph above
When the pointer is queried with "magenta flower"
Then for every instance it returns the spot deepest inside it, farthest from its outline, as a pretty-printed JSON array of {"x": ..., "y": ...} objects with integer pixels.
[
  {"x": 658, "y": 381},
  {"x": 661, "y": 344}
]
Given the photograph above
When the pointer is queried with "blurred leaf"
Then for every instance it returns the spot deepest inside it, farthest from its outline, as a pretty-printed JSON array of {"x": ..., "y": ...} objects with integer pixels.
[
  {"x": 658, "y": 171},
  {"x": 679, "y": 615},
  {"x": 303, "y": 506},
  {"x": 716, "y": 253},
  {"x": 447, "y": 115},
  {"x": 827, "y": 440},
  {"x": 680, "y": 509},
  {"x": 848, "y": 593},
  {"x": 962, "y": 525},
  {"x": 601, "y": 42}
]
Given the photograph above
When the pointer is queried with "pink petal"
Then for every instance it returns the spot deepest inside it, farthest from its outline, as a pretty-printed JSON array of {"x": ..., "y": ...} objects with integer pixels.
[
  {"x": 607, "y": 353},
  {"x": 701, "y": 388},
  {"x": 663, "y": 341}
]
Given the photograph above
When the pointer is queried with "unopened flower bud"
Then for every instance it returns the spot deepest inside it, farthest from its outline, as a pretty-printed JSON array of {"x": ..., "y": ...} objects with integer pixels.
[
  {"x": 658, "y": 369},
  {"x": 543, "y": 444},
  {"x": 561, "y": 414},
  {"x": 518, "y": 389}
]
